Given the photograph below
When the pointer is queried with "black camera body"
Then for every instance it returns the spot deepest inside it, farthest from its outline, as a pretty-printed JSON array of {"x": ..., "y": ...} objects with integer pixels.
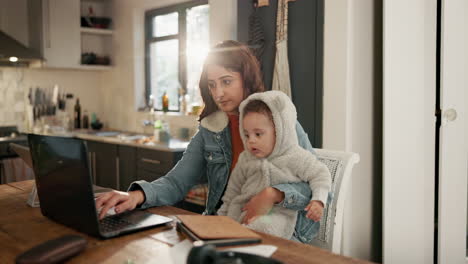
[{"x": 207, "y": 254}]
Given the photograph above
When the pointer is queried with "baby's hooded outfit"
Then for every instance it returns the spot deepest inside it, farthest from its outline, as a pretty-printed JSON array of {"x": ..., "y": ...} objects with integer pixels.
[{"x": 287, "y": 163}]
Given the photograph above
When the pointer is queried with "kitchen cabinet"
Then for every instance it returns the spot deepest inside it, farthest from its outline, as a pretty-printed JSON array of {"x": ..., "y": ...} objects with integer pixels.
[
  {"x": 127, "y": 166},
  {"x": 54, "y": 28},
  {"x": 112, "y": 166},
  {"x": 152, "y": 164},
  {"x": 117, "y": 166},
  {"x": 104, "y": 163}
]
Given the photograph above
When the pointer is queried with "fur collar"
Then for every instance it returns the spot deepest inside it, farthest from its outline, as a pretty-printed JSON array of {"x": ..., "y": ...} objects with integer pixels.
[{"x": 215, "y": 122}]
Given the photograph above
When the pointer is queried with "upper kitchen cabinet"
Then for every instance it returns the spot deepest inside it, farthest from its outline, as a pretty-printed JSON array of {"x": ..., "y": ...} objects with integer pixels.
[
  {"x": 55, "y": 29},
  {"x": 58, "y": 29}
]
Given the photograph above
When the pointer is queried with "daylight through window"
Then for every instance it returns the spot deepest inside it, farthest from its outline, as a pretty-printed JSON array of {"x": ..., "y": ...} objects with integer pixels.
[{"x": 177, "y": 41}]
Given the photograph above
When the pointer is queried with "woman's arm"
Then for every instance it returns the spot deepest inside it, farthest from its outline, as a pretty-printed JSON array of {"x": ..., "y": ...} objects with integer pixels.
[
  {"x": 176, "y": 183},
  {"x": 163, "y": 191},
  {"x": 233, "y": 189},
  {"x": 303, "y": 138},
  {"x": 297, "y": 195}
]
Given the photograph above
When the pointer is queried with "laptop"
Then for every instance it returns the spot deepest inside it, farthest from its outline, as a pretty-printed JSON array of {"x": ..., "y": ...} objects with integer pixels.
[{"x": 65, "y": 191}]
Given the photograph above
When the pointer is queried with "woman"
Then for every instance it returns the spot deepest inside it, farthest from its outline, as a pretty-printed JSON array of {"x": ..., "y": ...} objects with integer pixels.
[{"x": 230, "y": 74}]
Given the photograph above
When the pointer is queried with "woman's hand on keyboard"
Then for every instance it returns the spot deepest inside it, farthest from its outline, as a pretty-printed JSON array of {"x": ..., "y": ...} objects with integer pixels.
[{"x": 122, "y": 201}]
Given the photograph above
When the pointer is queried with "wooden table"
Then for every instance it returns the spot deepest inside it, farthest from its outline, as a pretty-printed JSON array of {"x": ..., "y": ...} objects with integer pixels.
[{"x": 22, "y": 227}]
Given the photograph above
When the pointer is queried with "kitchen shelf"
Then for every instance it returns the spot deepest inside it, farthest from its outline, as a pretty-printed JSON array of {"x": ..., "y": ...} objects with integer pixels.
[
  {"x": 95, "y": 41},
  {"x": 95, "y": 67},
  {"x": 97, "y": 31}
]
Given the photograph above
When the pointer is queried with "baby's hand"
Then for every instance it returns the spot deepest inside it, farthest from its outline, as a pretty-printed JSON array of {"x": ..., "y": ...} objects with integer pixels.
[{"x": 314, "y": 210}]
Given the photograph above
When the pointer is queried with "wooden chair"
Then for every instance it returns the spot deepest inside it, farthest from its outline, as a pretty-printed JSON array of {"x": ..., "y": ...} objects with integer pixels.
[
  {"x": 340, "y": 165},
  {"x": 23, "y": 153}
]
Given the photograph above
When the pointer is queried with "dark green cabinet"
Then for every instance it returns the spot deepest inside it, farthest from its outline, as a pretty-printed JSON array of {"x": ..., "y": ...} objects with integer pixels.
[
  {"x": 104, "y": 164},
  {"x": 152, "y": 164},
  {"x": 117, "y": 166},
  {"x": 127, "y": 166},
  {"x": 112, "y": 166}
]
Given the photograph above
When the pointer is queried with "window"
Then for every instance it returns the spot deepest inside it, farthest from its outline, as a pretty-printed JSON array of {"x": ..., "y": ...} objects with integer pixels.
[{"x": 176, "y": 42}]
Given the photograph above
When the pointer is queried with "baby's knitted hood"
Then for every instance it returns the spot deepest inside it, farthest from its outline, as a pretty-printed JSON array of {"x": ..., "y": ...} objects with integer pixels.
[{"x": 284, "y": 117}]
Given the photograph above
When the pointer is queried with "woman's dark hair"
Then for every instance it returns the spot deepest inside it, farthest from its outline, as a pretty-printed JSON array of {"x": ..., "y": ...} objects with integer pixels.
[
  {"x": 257, "y": 106},
  {"x": 235, "y": 57}
]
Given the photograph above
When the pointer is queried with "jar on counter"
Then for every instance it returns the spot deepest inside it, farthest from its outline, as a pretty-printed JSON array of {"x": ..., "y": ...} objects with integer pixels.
[{"x": 85, "y": 123}]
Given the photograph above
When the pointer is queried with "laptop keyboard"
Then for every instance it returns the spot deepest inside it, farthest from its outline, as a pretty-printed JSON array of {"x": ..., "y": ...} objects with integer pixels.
[{"x": 114, "y": 223}]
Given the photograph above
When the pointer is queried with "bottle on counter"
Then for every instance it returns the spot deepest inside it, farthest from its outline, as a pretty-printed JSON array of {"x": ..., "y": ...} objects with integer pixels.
[
  {"x": 183, "y": 104},
  {"x": 165, "y": 102},
  {"x": 77, "y": 114},
  {"x": 85, "y": 119}
]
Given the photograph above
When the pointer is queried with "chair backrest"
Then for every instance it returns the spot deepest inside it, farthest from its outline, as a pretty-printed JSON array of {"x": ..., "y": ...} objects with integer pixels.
[
  {"x": 23, "y": 152},
  {"x": 340, "y": 164}
]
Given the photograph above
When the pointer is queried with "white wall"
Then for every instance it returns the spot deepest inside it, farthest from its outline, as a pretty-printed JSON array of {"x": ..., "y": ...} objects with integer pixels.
[
  {"x": 349, "y": 116},
  {"x": 223, "y": 20}
]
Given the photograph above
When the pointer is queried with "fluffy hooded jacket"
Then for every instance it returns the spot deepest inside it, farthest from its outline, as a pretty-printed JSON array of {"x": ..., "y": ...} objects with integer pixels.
[{"x": 287, "y": 163}]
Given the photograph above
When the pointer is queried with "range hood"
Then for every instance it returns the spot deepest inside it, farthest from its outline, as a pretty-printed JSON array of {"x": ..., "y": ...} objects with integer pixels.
[{"x": 13, "y": 53}]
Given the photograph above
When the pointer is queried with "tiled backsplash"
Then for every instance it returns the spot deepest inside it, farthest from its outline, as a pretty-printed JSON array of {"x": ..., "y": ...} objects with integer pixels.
[
  {"x": 12, "y": 97},
  {"x": 16, "y": 82},
  {"x": 113, "y": 106}
]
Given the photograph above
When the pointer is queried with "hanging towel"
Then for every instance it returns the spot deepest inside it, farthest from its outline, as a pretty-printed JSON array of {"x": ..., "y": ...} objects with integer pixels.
[{"x": 281, "y": 80}]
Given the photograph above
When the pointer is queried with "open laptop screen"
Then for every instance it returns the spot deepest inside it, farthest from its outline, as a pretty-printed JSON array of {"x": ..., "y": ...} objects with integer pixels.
[{"x": 63, "y": 181}]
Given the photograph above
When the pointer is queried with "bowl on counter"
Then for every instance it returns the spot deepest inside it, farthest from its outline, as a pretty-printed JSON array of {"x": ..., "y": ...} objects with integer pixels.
[{"x": 96, "y": 125}]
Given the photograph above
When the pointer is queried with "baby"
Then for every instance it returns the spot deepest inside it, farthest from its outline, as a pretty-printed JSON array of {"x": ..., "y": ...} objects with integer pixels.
[{"x": 272, "y": 156}]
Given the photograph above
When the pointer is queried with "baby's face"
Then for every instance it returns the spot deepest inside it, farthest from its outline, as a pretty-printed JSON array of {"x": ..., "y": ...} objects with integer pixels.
[{"x": 259, "y": 132}]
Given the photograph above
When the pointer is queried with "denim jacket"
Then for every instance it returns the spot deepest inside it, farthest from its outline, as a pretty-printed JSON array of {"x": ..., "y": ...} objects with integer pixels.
[{"x": 207, "y": 159}]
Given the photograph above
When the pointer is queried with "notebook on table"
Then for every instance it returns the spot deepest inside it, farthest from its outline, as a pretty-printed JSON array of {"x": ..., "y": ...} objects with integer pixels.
[
  {"x": 65, "y": 190},
  {"x": 216, "y": 230}
]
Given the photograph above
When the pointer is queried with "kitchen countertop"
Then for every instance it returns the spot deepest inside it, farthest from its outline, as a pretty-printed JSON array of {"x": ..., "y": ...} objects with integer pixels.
[{"x": 112, "y": 137}]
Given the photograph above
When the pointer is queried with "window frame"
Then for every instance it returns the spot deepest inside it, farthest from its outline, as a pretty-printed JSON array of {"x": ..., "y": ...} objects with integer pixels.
[{"x": 181, "y": 36}]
